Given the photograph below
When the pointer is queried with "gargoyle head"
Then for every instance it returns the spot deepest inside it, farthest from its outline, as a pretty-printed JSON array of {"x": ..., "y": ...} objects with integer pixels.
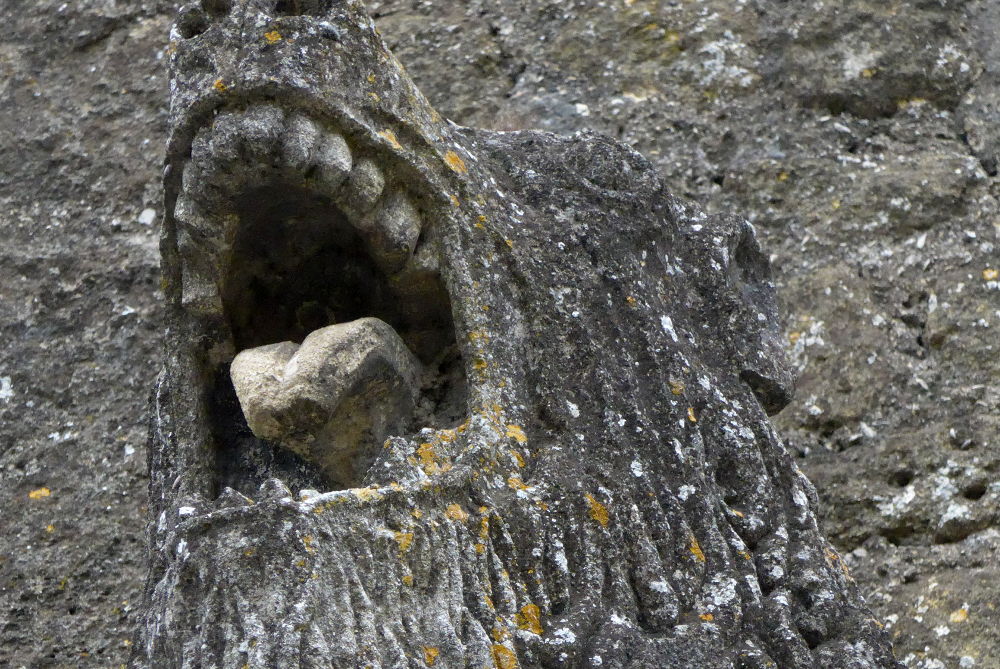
[{"x": 516, "y": 350}]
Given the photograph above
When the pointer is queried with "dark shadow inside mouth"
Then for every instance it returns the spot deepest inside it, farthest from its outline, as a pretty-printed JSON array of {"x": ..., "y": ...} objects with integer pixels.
[{"x": 298, "y": 264}]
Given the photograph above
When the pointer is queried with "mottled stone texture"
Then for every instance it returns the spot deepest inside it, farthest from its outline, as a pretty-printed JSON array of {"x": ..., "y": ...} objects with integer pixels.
[
  {"x": 879, "y": 220},
  {"x": 592, "y": 479}
]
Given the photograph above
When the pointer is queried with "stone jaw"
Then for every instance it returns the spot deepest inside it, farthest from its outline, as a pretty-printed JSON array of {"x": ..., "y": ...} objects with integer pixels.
[{"x": 613, "y": 488}]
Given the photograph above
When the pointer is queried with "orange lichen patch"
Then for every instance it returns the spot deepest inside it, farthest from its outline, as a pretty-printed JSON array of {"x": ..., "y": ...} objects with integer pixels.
[
  {"x": 516, "y": 483},
  {"x": 691, "y": 416},
  {"x": 249, "y": 552},
  {"x": 301, "y": 563},
  {"x": 959, "y": 615},
  {"x": 272, "y": 37},
  {"x": 456, "y": 512},
  {"x": 455, "y": 201},
  {"x": 455, "y": 162},
  {"x": 426, "y": 454},
  {"x": 375, "y": 96},
  {"x": 794, "y": 337},
  {"x": 499, "y": 634},
  {"x": 480, "y": 548},
  {"x": 738, "y": 514},
  {"x": 783, "y": 176},
  {"x": 430, "y": 655},
  {"x": 408, "y": 580},
  {"x": 307, "y": 541},
  {"x": 707, "y": 617},
  {"x": 404, "y": 540},
  {"x": 320, "y": 508},
  {"x": 745, "y": 555},
  {"x": 598, "y": 511},
  {"x": 479, "y": 364},
  {"x": 39, "y": 493},
  {"x": 631, "y": 301},
  {"x": 219, "y": 85},
  {"x": 517, "y": 433},
  {"x": 529, "y": 619},
  {"x": 695, "y": 549},
  {"x": 868, "y": 72},
  {"x": 371, "y": 78},
  {"x": 50, "y": 528},
  {"x": 503, "y": 657},
  {"x": 477, "y": 336},
  {"x": 676, "y": 387},
  {"x": 542, "y": 505},
  {"x": 390, "y": 136},
  {"x": 509, "y": 243},
  {"x": 519, "y": 458},
  {"x": 991, "y": 274}
]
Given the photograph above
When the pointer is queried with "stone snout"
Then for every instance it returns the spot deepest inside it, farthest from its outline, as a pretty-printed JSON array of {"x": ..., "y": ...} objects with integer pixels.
[{"x": 335, "y": 398}]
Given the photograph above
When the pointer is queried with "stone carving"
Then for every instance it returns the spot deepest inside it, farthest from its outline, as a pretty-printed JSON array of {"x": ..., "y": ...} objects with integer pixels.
[{"x": 579, "y": 469}]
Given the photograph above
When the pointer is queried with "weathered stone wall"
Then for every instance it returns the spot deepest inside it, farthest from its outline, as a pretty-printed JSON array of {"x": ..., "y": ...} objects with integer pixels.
[{"x": 858, "y": 137}]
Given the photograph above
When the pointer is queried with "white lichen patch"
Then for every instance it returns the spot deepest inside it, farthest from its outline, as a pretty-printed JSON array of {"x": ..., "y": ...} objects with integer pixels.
[
  {"x": 721, "y": 593},
  {"x": 637, "y": 469},
  {"x": 861, "y": 59},
  {"x": 899, "y": 503},
  {"x": 668, "y": 327},
  {"x": 660, "y": 586},
  {"x": 955, "y": 511}
]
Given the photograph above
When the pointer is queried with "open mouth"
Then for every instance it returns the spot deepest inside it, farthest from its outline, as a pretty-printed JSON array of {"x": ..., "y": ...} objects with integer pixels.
[{"x": 286, "y": 227}]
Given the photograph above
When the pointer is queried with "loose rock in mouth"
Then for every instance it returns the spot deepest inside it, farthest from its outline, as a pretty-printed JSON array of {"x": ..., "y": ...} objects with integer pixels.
[{"x": 334, "y": 399}]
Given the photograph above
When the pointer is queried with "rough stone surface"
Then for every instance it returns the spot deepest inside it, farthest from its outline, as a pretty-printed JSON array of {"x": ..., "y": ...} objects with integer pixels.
[{"x": 888, "y": 308}]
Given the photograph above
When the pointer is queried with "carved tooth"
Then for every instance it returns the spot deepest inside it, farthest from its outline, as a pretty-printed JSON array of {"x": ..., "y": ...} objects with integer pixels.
[
  {"x": 299, "y": 143},
  {"x": 273, "y": 488},
  {"x": 199, "y": 287},
  {"x": 214, "y": 156},
  {"x": 230, "y": 498},
  {"x": 204, "y": 183},
  {"x": 364, "y": 186},
  {"x": 392, "y": 231},
  {"x": 333, "y": 161},
  {"x": 224, "y": 144},
  {"x": 260, "y": 131}
]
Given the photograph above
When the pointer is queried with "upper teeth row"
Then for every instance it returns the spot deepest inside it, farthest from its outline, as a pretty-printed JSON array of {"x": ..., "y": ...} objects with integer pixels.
[{"x": 249, "y": 148}]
